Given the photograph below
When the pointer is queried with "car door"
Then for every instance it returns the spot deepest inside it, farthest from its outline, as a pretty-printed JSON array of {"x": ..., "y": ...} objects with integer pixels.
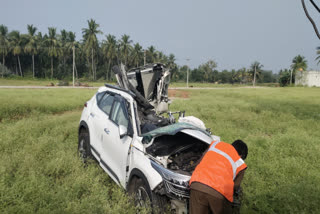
[
  {"x": 98, "y": 120},
  {"x": 115, "y": 148}
]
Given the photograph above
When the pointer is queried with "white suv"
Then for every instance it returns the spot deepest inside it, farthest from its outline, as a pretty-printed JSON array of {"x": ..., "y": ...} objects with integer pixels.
[{"x": 151, "y": 156}]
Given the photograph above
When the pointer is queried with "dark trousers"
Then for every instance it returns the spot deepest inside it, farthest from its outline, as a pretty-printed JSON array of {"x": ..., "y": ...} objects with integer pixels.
[{"x": 203, "y": 203}]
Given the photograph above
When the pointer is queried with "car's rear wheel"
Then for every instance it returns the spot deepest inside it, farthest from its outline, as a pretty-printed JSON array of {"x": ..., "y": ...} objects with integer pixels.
[{"x": 84, "y": 146}]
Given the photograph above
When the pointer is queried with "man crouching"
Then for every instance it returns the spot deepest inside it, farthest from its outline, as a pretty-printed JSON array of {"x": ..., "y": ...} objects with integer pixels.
[{"x": 218, "y": 175}]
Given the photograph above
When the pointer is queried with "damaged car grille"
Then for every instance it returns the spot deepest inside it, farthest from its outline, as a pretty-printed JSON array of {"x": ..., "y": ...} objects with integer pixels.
[
  {"x": 177, "y": 190},
  {"x": 176, "y": 184}
]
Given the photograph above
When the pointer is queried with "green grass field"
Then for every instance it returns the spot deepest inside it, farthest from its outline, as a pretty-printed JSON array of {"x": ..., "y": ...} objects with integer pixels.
[
  {"x": 41, "y": 82},
  {"x": 40, "y": 171},
  {"x": 212, "y": 85}
]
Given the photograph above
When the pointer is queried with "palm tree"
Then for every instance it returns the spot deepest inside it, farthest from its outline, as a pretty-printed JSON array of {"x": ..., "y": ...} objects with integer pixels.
[
  {"x": 298, "y": 63},
  {"x": 16, "y": 42},
  {"x": 255, "y": 70},
  {"x": 91, "y": 41},
  {"x": 160, "y": 57},
  {"x": 171, "y": 61},
  {"x": 284, "y": 77},
  {"x": 208, "y": 68},
  {"x": 234, "y": 76},
  {"x": 31, "y": 46},
  {"x": 172, "y": 65},
  {"x": 110, "y": 51},
  {"x": 52, "y": 43},
  {"x": 242, "y": 75},
  {"x": 4, "y": 43},
  {"x": 63, "y": 47},
  {"x": 125, "y": 47},
  {"x": 71, "y": 43},
  {"x": 137, "y": 54},
  {"x": 151, "y": 54},
  {"x": 42, "y": 51}
]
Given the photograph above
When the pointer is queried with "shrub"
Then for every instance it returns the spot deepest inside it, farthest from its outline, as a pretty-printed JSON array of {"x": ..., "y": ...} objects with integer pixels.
[{"x": 5, "y": 72}]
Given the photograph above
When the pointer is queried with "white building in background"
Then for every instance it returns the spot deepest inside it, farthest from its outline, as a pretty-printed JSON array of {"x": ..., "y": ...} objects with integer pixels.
[{"x": 308, "y": 78}]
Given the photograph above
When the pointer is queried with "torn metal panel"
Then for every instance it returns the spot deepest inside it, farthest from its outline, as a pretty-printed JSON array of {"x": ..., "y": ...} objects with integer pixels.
[{"x": 150, "y": 83}]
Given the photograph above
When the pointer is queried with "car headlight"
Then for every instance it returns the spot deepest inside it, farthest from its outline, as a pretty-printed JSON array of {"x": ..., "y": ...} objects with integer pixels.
[{"x": 176, "y": 179}]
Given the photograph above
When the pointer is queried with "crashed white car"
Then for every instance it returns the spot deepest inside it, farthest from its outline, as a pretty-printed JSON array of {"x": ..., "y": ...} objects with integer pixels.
[{"x": 149, "y": 155}]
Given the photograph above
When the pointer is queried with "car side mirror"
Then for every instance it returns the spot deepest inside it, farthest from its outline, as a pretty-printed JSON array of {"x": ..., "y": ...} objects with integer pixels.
[{"x": 123, "y": 131}]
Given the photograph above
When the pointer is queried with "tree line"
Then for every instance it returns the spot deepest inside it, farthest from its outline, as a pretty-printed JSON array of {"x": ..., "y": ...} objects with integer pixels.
[
  {"x": 207, "y": 72},
  {"x": 50, "y": 55},
  {"x": 287, "y": 76},
  {"x": 255, "y": 73}
]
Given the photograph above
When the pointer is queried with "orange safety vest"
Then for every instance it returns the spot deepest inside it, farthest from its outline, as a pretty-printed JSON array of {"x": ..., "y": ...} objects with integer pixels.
[{"x": 218, "y": 168}]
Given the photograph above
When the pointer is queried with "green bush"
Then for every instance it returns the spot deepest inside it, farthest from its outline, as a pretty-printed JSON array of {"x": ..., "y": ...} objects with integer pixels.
[{"x": 5, "y": 72}]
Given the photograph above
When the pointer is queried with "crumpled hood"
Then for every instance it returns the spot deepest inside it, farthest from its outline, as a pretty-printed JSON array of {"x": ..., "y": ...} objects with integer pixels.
[{"x": 173, "y": 129}]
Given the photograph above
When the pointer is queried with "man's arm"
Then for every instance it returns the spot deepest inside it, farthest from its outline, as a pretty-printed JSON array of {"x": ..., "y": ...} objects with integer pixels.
[{"x": 238, "y": 179}]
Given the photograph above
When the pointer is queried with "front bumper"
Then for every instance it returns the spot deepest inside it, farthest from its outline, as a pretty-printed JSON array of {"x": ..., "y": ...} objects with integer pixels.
[{"x": 174, "y": 185}]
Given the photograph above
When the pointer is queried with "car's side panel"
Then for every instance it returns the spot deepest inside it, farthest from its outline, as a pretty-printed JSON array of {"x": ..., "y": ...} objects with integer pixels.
[
  {"x": 104, "y": 165},
  {"x": 140, "y": 161},
  {"x": 86, "y": 110},
  {"x": 137, "y": 159},
  {"x": 88, "y": 121},
  {"x": 95, "y": 121},
  {"x": 103, "y": 138}
]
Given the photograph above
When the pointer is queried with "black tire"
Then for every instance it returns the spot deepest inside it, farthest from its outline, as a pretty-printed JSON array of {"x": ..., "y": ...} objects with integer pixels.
[
  {"x": 84, "y": 151},
  {"x": 145, "y": 198}
]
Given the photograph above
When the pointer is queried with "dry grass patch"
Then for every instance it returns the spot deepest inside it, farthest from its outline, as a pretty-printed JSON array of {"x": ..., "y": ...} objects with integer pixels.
[{"x": 174, "y": 93}]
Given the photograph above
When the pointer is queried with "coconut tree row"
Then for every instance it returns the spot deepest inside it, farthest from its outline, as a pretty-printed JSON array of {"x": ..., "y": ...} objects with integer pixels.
[{"x": 50, "y": 54}]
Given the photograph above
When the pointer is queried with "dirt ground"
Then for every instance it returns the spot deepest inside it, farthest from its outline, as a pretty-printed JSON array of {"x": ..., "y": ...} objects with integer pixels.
[{"x": 178, "y": 93}]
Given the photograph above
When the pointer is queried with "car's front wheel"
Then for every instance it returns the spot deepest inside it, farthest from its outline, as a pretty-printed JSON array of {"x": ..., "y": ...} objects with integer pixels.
[
  {"x": 142, "y": 197},
  {"x": 84, "y": 146},
  {"x": 145, "y": 198}
]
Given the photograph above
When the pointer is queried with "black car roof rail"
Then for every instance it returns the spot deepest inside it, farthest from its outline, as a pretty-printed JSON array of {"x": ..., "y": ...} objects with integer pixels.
[{"x": 120, "y": 89}]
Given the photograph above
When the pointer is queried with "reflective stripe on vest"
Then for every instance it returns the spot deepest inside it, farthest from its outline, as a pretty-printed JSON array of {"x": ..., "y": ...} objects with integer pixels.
[{"x": 234, "y": 165}]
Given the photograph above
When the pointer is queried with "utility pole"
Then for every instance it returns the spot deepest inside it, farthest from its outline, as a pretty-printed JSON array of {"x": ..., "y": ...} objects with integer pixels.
[
  {"x": 2, "y": 70},
  {"x": 254, "y": 76},
  {"x": 74, "y": 64},
  {"x": 92, "y": 65},
  {"x": 188, "y": 73},
  {"x": 145, "y": 57}
]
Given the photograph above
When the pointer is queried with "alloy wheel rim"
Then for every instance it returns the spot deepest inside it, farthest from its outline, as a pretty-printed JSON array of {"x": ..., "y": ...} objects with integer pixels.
[
  {"x": 82, "y": 151},
  {"x": 142, "y": 197}
]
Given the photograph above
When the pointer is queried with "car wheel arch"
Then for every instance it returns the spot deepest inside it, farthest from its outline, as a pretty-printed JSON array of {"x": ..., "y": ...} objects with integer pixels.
[
  {"x": 137, "y": 173},
  {"x": 83, "y": 126},
  {"x": 159, "y": 203}
]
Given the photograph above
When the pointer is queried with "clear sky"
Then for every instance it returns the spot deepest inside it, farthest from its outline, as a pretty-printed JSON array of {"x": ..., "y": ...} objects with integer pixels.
[{"x": 234, "y": 33}]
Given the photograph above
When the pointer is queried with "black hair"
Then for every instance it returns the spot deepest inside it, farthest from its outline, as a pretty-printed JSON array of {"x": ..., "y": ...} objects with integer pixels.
[{"x": 241, "y": 148}]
